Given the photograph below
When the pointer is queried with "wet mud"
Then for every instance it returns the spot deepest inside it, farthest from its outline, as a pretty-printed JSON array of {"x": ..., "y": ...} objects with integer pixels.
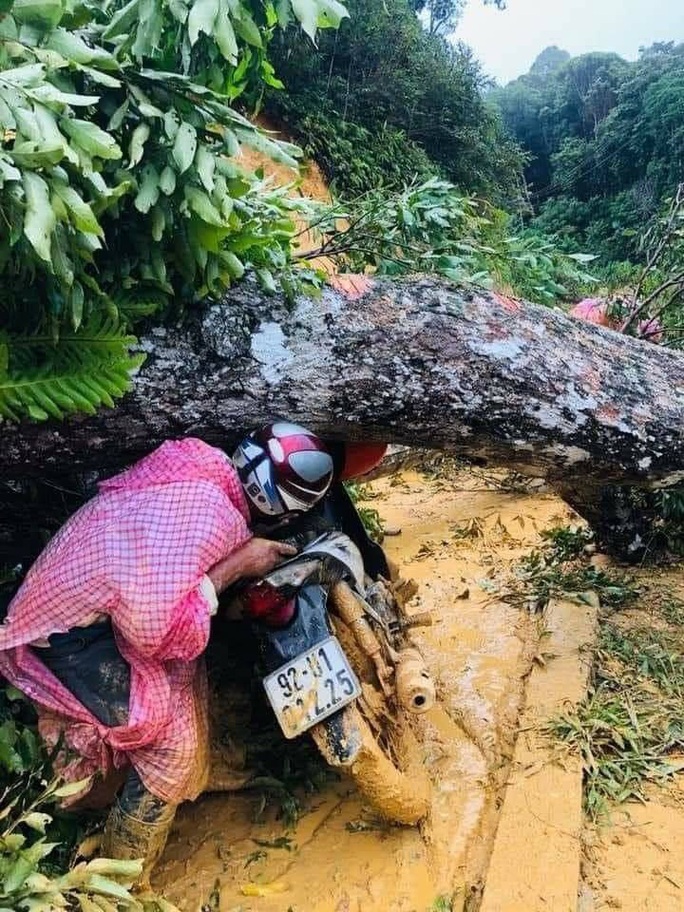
[{"x": 459, "y": 538}]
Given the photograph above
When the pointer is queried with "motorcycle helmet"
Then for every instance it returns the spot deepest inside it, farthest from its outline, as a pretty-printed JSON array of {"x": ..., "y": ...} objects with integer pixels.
[{"x": 283, "y": 469}]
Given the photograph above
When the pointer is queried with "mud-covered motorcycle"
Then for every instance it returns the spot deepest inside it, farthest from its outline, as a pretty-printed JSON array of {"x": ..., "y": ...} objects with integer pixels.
[{"x": 338, "y": 658}]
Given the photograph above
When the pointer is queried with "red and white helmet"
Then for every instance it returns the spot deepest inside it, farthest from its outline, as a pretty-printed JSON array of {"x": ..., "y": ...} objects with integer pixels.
[{"x": 283, "y": 468}]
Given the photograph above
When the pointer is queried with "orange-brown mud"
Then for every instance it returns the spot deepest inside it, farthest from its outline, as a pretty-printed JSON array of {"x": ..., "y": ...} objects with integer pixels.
[
  {"x": 338, "y": 857},
  {"x": 307, "y": 182},
  {"x": 637, "y": 863}
]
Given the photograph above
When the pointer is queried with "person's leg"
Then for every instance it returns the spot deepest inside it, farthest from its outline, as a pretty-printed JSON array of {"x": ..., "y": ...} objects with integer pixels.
[
  {"x": 88, "y": 662},
  {"x": 138, "y": 826}
]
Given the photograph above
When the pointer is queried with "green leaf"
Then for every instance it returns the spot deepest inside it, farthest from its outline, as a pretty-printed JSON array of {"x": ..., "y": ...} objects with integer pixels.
[
  {"x": 278, "y": 151},
  {"x": 137, "y": 146},
  {"x": 158, "y": 223},
  {"x": 167, "y": 181},
  {"x": 224, "y": 34},
  {"x": 200, "y": 203},
  {"x": 36, "y": 154},
  {"x": 72, "y": 47},
  {"x": 77, "y": 301},
  {"x": 582, "y": 258},
  {"x": 265, "y": 277},
  {"x": 51, "y": 136},
  {"x": 233, "y": 264},
  {"x": 185, "y": 146},
  {"x": 148, "y": 192},
  {"x": 103, "y": 886},
  {"x": 147, "y": 109},
  {"x": 306, "y": 12},
  {"x": 62, "y": 263},
  {"x": 32, "y": 74},
  {"x": 37, "y": 821},
  {"x": 284, "y": 13},
  {"x": 149, "y": 31},
  {"x": 171, "y": 124},
  {"x": 69, "y": 789},
  {"x": 179, "y": 10},
  {"x": 115, "y": 867},
  {"x": 82, "y": 215},
  {"x": 105, "y": 79},
  {"x": 201, "y": 18},
  {"x": 248, "y": 30},
  {"x": 47, "y": 93},
  {"x": 28, "y": 127},
  {"x": 46, "y": 13},
  {"x": 26, "y": 864},
  {"x": 91, "y": 138},
  {"x": 39, "y": 219},
  {"x": 124, "y": 20},
  {"x": 118, "y": 116},
  {"x": 205, "y": 163}
]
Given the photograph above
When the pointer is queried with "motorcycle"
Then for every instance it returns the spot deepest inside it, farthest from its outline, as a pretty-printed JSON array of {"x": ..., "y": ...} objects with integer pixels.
[{"x": 339, "y": 662}]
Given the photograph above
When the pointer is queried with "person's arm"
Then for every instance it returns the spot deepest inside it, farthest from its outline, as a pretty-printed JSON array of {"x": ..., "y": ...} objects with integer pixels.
[{"x": 253, "y": 559}]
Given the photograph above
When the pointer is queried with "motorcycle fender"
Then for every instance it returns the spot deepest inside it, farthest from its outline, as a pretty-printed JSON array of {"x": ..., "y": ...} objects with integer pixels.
[{"x": 338, "y": 738}]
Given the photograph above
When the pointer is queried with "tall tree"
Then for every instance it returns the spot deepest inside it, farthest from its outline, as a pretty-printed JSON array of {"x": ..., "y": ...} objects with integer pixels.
[
  {"x": 414, "y": 361},
  {"x": 605, "y": 143},
  {"x": 380, "y": 76}
]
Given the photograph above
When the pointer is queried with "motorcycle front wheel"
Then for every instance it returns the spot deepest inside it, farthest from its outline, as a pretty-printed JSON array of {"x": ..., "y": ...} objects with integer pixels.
[{"x": 384, "y": 755}]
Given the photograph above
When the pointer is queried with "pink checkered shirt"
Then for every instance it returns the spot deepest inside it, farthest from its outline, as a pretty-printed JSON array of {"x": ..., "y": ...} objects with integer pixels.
[{"x": 137, "y": 552}]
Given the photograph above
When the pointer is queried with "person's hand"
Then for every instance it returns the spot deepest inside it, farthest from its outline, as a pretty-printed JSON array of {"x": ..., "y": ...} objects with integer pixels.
[
  {"x": 260, "y": 555},
  {"x": 255, "y": 558}
]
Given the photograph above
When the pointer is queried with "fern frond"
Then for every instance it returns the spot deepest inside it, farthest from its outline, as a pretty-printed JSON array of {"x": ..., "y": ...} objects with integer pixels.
[
  {"x": 138, "y": 302},
  {"x": 81, "y": 372}
]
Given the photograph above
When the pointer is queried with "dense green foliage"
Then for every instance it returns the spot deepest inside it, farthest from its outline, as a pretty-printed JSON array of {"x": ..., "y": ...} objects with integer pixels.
[
  {"x": 38, "y": 841},
  {"x": 381, "y": 102},
  {"x": 605, "y": 140},
  {"x": 119, "y": 189},
  {"x": 433, "y": 226},
  {"x": 123, "y": 197}
]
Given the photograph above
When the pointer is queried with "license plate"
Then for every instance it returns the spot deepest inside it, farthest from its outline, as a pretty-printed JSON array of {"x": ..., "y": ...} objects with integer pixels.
[{"x": 311, "y": 687}]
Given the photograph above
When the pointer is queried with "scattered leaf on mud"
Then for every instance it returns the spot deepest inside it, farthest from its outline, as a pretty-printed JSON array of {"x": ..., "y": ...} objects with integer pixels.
[{"x": 272, "y": 889}]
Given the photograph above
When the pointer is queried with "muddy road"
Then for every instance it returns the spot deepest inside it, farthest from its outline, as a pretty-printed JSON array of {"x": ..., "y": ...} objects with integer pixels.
[{"x": 458, "y": 539}]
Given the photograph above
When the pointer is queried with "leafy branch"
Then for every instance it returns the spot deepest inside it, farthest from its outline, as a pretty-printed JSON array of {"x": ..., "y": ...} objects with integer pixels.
[
  {"x": 432, "y": 227},
  {"x": 664, "y": 246},
  {"x": 120, "y": 180}
]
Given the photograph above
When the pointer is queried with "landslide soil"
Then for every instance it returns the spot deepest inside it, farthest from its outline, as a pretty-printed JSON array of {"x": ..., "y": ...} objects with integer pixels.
[{"x": 459, "y": 539}]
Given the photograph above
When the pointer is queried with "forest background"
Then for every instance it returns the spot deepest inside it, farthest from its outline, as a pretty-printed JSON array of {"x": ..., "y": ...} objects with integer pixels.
[{"x": 124, "y": 204}]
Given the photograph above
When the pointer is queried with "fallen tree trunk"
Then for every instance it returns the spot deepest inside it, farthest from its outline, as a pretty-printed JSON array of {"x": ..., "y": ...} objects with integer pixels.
[{"x": 413, "y": 362}]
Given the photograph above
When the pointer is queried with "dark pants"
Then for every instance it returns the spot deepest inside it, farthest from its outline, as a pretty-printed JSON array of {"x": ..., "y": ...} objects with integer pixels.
[{"x": 86, "y": 660}]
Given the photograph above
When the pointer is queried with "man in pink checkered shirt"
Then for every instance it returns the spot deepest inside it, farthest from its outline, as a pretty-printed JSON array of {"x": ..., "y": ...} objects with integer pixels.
[{"x": 107, "y": 632}]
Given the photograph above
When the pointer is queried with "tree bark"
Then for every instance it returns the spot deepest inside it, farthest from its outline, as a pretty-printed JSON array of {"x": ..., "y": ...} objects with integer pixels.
[{"x": 417, "y": 362}]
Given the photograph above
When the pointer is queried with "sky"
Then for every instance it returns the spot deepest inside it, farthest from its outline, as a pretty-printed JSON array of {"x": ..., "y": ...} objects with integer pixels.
[{"x": 507, "y": 42}]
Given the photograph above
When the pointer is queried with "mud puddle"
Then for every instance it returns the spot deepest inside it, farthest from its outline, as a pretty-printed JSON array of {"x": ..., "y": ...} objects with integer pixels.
[{"x": 458, "y": 536}]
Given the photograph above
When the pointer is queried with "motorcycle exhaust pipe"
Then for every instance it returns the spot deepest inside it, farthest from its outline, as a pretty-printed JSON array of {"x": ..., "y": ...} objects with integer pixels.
[{"x": 414, "y": 686}]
